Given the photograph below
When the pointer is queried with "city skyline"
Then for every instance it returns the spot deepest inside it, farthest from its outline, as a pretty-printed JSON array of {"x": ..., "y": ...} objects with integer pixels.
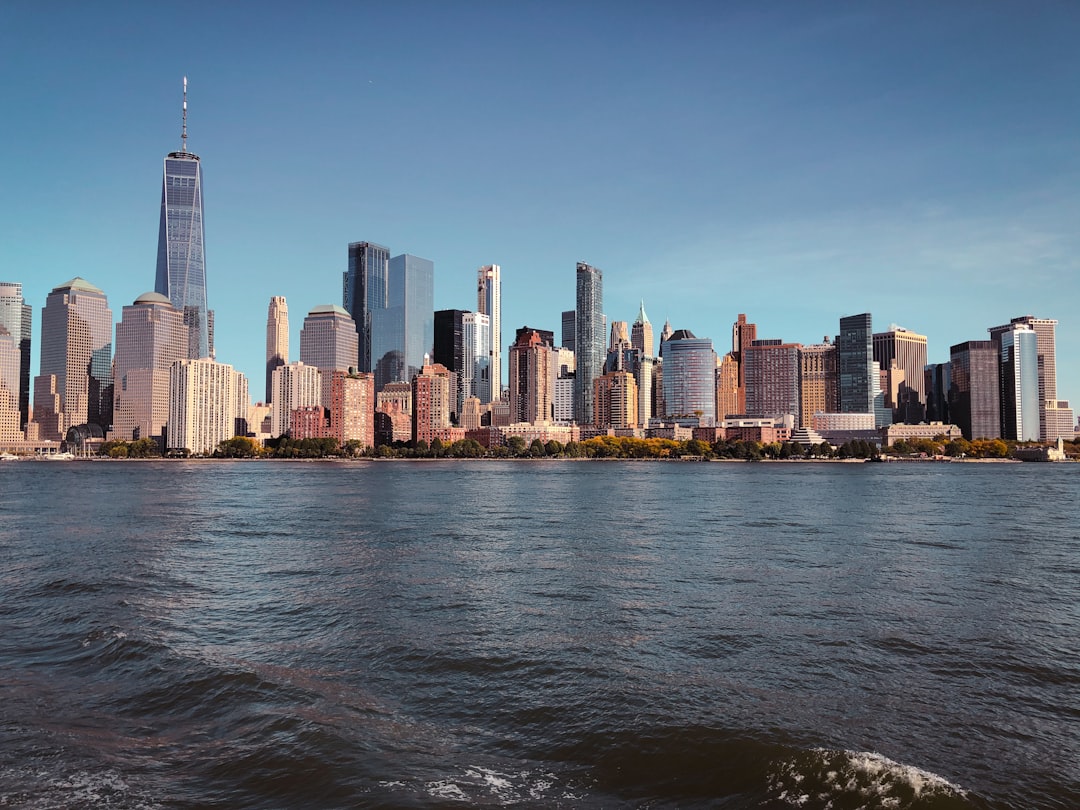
[{"x": 938, "y": 196}]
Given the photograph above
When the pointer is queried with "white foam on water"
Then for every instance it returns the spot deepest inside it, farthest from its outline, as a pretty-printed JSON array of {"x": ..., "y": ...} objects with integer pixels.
[
  {"x": 445, "y": 789},
  {"x": 498, "y": 783},
  {"x": 885, "y": 769},
  {"x": 822, "y": 776},
  {"x": 41, "y": 789},
  {"x": 476, "y": 782}
]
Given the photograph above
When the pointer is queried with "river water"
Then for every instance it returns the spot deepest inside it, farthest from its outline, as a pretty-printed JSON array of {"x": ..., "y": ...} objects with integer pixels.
[{"x": 539, "y": 634}]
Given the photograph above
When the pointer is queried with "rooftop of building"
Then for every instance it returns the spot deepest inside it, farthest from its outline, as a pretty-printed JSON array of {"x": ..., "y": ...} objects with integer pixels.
[
  {"x": 153, "y": 298},
  {"x": 682, "y": 334},
  {"x": 326, "y": 309},
  {"x": 78, "y": 284}
]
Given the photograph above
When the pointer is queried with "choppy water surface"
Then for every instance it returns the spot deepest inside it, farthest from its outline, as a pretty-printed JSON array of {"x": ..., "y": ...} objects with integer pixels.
[{"x": 539, "y": 634}]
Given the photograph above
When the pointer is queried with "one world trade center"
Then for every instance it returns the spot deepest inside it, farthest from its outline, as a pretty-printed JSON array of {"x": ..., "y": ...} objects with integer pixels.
[{"x": 181, "y": 260}]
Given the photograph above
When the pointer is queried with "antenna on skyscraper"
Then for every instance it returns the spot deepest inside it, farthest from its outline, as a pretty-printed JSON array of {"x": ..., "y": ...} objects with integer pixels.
[{"x": 183, "y": 130}]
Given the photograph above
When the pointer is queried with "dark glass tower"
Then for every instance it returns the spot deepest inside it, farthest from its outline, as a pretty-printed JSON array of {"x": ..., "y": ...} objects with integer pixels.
[
  {"x": 181, "y": 261},
  {"x": 974, "y": 395},
  {"x": 855, "y": 352},
  {"x": 364, "y": 290}
]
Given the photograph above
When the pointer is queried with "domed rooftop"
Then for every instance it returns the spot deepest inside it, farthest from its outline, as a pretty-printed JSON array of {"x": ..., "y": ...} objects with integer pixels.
[
  {"x": 78, "y": 284},
  {"x": 153, "y": 298}
]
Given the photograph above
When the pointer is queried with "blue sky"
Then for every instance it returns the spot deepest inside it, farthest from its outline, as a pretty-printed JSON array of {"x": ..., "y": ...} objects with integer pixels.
[{"x": 794, "y": 161}]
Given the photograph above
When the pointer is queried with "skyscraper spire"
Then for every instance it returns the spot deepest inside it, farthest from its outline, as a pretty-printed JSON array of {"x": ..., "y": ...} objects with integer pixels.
[
  {"x": 183, "y": 126},
  {"x": 641, "y": 316},
  {"x": 181, "y": 260},
  {"x": 641, "y": 335}
]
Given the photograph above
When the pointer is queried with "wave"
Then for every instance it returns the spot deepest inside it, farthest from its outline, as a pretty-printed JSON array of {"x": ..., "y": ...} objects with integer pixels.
[
  {"x": 705, "y": 767},
  {"x": 835, "y": 780}
]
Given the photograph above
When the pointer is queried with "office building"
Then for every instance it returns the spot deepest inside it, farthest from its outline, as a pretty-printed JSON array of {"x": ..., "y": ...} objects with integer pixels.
[
  {"x": 403, "y": 333},
  {"x": 569, "y": 329},
  {"x": 879, "y": 379},
  {"x": 727, "y": 387},
  {"x": 641, "y": 334},
  {"x": 296, "y": 385},
  {"x": 76, "y": 350},
  {"x": 1045, "y": 329},
  {"x": 936, "y": 385},
  {"x": 771, "y": 378},
  {"x": 974, "y": 396},
  {"x": 471, "y": 414},
  {"x": 631, "y": 360},
  {"x": 364, "y": 290},
  {"x": 181, "y": 257},
  {"x": 743, "y": 333},
  {"x": 448, "y": 349},
  {"x": 10, "y": 418},
  {"x": 620, "y": 335},
  {"x": 818, "y": 381},
  {"x": 489, "y": 302},
  {"x": 855, "y": 358},
  {"x": 588, "y": 338},
  {"x": 1060, "y": 420},
  {"x": 16, "y": 317},
  {"x": 531, "y": 378},
  {"x": 689, "y": 377},
  {"x": 1019, "y": 383},
  {"x": 150, "y": 337},
  {"x": 277, "y": 340},
  {"x": 616, "y": 398},
  {"x": 563, "y": 400},
  {"x": 906, "y": 351},
  {"x": 207, "y": 405},
  {"x": 328, "y": 339},
  {"x": 477, "y": 378}
]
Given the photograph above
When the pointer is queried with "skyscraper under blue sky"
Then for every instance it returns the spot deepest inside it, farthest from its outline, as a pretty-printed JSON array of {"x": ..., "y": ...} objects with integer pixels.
[
  {"x": 956, "y": 171},
  {"x": 181, "y": 260},
  {"x": 855, "y": 348},
  {"x": 588, "y": 338},
  {"x": 363, "y": 290},
  {"x": 16, "y": 318},
  {"x": 404, "y": 330}
]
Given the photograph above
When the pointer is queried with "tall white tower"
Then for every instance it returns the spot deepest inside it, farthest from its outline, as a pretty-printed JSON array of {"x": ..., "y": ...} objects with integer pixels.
[{"x": 489, "y": 302}]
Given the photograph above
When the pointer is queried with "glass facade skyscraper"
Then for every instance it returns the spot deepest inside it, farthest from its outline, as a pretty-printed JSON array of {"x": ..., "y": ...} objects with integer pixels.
[
  {"x": 489, "y": 302},
  {"x": 855, "y": 356},
  {"x": 690, "y": 377},
  {"x": 1019, "y": 380},
  {"x": 364, "y": 287},
  {"x": 589, "y": 338},
  {"x": 476, "y": 343},
  {"x": 974, "y": 398},
  {"x": 404, "y": 331},
  {"x": 181, "y": 258},
  {"x": 15, "y": 318}
]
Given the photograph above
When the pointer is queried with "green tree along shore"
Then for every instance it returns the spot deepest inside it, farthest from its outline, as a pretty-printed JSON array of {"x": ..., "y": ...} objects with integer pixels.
[{"x": 600, "y": 447}]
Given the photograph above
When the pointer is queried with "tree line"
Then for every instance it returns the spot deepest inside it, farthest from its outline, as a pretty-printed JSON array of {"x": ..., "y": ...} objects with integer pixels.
[{"x": 612, "y": 447}]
